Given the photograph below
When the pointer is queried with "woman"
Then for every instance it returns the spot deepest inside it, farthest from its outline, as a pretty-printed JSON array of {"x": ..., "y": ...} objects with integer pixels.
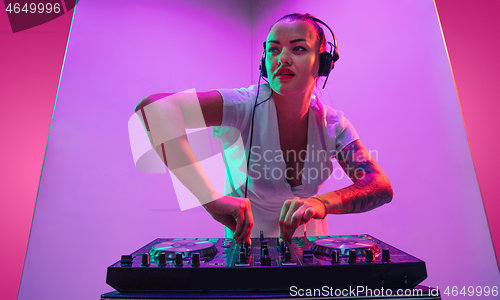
[{"x": 292, "y": 137}]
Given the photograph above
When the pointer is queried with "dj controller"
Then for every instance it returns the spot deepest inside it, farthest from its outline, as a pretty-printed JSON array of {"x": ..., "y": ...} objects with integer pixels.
[{"x": 265, "y": 264}]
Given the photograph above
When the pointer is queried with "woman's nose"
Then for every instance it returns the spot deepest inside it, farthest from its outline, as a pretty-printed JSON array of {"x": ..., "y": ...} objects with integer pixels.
[{"x": 284, "y": 58}]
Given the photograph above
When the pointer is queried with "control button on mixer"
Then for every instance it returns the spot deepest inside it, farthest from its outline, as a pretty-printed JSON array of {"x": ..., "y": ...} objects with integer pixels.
[
  {"x": 265, "y": 260},
  {"x": 178, "y": 260},
  {"x": 307, "y": 254},
  {"x": 243, "y": 258},
  {"x": 162, "y": 260},
  {"x": 282, "y": 246},
  {"x": 352, "y": 256},
  {"x": 126, "y": 260},
  {"x": 287, "y": 257},
  {"x": 369, "y": 255},
  {"x": 386, "y": 255},
  {"x": 145, "y": 260},
  {"x": 195, "y": 260},
  {"x": 335, "y": 257}
]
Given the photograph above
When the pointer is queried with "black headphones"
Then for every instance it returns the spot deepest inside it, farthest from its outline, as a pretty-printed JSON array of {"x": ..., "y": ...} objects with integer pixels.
[{"x": 326, "y": 60}]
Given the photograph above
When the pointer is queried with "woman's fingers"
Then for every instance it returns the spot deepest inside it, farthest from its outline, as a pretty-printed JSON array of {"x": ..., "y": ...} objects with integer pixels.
[
  {"x": 235, "y": 213},
  {"x": 240, "y": 220},
  {"x": 244, "y": 221},
  {"x": 284, "y": 211},
  {"x": 247, "y": 229},
  {"x": 293, "y": 214},
  {"x": 308, "y": 214},
  {"x": 291, "y": 218},
  {"x": 231, "y": 224},
  {"x": 296, "y": 218}
]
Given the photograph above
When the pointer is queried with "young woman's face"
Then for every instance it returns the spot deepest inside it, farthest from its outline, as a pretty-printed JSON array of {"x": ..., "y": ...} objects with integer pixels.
[{"x": 292, "y": 57}]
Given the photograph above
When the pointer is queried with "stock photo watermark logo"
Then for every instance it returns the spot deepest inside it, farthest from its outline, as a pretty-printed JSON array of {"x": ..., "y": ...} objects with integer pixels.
[
  {"x": 157, "y": 130},
  {"x": 268, "y": 164},
  {"x": 159, "y": 138}
]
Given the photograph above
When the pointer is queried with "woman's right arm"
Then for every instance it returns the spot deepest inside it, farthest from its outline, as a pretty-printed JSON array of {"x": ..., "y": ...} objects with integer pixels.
[{"x": 166, "y": 117}]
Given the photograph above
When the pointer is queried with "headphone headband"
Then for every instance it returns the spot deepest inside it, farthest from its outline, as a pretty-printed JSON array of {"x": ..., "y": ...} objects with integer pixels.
[{"x": 333, "y": 35}]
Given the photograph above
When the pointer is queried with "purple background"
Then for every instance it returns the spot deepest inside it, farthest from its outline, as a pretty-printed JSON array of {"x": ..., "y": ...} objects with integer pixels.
[{"x": 393, "y": 81}]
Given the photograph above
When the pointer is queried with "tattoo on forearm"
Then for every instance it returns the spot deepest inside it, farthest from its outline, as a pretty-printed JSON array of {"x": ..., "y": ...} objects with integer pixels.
[{"x": 371, "y": 188}]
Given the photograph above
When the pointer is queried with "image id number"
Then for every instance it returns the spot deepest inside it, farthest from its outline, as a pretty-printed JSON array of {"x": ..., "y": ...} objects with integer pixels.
[
  {"x": 33, "y": 8},
  {"x": 471, "y": 291}
]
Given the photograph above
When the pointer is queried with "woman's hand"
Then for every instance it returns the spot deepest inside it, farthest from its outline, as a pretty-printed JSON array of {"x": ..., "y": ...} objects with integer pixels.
[
  {"x": 235, "y": 213},
  {"x": 296, "y": 212}
]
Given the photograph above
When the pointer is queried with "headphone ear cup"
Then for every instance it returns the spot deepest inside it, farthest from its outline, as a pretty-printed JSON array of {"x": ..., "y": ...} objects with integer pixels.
[
  {"x": 262, "y": 67},
  {"x": 335, "y": 56},
  {"x": 325, "y": 63}
]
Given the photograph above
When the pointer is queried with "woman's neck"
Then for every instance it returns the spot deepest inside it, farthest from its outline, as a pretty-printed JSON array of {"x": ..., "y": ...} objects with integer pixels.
[{"x": 292, "y": 109}]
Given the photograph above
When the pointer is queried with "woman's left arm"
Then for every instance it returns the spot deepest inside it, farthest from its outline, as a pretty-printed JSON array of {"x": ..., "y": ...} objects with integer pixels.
[{"x": 370, "y": 189}]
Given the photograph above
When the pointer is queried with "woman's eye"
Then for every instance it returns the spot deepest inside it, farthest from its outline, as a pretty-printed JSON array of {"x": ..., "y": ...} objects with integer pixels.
[
  {"x": 299, "y": 48},
  {"x": 272, "y": 49}
]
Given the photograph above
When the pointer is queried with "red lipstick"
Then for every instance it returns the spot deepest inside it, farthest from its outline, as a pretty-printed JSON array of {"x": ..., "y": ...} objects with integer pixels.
[{"x": 285, "y": 73}]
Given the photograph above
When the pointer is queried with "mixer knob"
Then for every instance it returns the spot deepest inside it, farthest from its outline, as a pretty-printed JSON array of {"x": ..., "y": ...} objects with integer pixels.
[
  {"x": 287, "y": 257},
  {"x": 386, "y": 255},
  {"x": 195, "y": 260},
  {"x": 282, "y": 246},
  {"x": 145, "y": 260},
  {"x": 178, "y": 260},
  {"x": 265, "y": 252},
  {"x": 162, "y": 259},
  {"x": 265, "y": 260},
  {"x": 261, "y": 235},
  {"x": 369, "y": 255},
  {"x": 307, "y": 255},
  {"x": 126, "y": 260},
  {"x": 243, "y": 250},
  {"x": 243, "y": 258},
  {"x": 263, "y": 244},
  {"x": 335, "y": 257},
  {"x": 352, "y": 256}
]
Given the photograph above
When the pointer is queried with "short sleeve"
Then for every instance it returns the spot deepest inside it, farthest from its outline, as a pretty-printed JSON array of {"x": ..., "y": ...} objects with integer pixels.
[
  {"x": 340, "y": 129},
  {"x": 236, "y": 109},
  {"x": 238, "y": 104}
]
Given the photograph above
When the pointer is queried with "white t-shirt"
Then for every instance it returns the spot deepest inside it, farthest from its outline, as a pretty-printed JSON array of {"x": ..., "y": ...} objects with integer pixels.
[{"x": 328, "y": 133}]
